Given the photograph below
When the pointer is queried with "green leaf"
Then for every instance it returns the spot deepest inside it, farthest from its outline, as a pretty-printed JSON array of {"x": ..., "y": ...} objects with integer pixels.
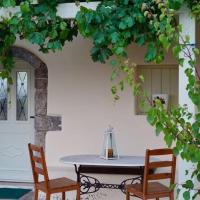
[
  {"x": 121, "y": 85},
  {"x": 99, "y": 38},
  {"x": 125, "y": 2},
  {"x": 63, "y": 26},
  {"x": 164, "y": 40},
  {"x": 172, "y": 186},
  {"x": 151, "y": 116},
  {"x": 122, "y": 25},
  {"x": 175, "y": 4},
  {"x": 188, "y": 184},
  {"x": 114, "y": 37},
  {"x": 186, "y": 195},
  {"x": 159, "y": 128},
  {"x": 198, "y": 177},
  {"x": 4, "y": 74},
  {"x": 178, "y": 145},
  {"x": 113, "y": 75},
  {"x": 141, "y": 40},
  {"x": 119, "y": 50},
  {"x": 53, "y": 34},
  {"x": 176, "y": 51},
  {"x": 114, "y": 90},
  {"x": 196, "y": 51},
  {"x": 151, "y": 52},
  {"x": 197, "y": 117},
  {"x": 181, "y": 61},
  {"x": 25, "y": 7},
  {"x": 129, "y": 21},
  {"x": 9, "y": 40},
  {"x": 54, "y": 45},
  {"x": 37, "y": 38},
  {"x": 175, "y": 151},
  {"x": 187, "y": 39},
  {"x": 9, "y": 3},
  {"x": 141, "y": 77},
  {"x": 14, "y": 21},
  {"x": 168, "y": 139}
]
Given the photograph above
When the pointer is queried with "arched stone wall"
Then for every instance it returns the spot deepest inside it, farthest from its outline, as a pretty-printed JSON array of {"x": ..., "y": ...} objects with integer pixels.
[{"x": 43, "y": 123}]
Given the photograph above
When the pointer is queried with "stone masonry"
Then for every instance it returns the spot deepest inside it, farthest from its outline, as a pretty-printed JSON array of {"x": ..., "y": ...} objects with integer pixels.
[{"x": 43, "y": 123}]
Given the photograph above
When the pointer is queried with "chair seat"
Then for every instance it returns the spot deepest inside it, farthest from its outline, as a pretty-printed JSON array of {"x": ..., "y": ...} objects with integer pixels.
[
  {"x": 154, "y": 189},
  {"x": 58, "y": 184}
]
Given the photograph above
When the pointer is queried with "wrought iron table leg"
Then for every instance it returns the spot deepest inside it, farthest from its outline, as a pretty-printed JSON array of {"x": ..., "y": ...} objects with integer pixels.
[
  {"x": 90, "y": 184},
  {"x": 77, "y": 170}
]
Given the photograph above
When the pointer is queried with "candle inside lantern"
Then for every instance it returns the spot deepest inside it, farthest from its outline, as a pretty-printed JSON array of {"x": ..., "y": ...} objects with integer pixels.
[{"x": 110, "y": 153}]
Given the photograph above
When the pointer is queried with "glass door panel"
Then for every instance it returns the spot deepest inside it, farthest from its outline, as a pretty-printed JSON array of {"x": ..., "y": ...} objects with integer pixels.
[{"x": 21, "y": 96}]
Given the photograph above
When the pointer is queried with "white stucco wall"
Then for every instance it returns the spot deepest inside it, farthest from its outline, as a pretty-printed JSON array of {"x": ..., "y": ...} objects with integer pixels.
[{"x": 79, "y": 91}]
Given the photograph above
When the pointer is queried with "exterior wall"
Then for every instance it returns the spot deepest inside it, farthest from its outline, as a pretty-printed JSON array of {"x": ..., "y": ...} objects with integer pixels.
[{"x": 79, "y": 91}]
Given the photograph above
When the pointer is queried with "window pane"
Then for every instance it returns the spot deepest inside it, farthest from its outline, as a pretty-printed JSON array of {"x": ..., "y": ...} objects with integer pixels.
[
  {"x": 3, "y": 99},
  {"x": 22, "y": 98}
]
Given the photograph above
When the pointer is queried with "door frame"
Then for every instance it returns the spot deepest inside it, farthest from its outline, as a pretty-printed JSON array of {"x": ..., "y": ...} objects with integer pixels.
[{"x": 42, "y": 122}]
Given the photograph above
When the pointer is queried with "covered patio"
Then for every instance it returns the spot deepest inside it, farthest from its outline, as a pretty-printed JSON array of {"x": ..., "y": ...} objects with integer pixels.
[{"x": 70, "y": 106}]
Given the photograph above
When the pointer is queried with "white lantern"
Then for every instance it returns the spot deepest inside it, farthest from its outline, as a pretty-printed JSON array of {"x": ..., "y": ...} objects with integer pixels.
[{"x": 109, "y": 150}]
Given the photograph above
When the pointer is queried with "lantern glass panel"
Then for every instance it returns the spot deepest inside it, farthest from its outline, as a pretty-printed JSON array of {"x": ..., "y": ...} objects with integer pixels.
[{"x": 109, "y": 150}]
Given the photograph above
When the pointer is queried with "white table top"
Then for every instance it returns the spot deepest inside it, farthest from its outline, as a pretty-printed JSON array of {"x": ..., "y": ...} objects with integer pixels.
[{"x": 95, "y": 160}]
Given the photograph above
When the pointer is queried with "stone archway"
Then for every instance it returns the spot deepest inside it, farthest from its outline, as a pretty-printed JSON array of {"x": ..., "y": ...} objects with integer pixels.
[{"x": 43, "y": 123}]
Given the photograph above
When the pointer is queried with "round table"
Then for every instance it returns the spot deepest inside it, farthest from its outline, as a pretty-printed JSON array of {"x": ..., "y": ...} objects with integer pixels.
[
  {"x": 132, "y": 165},
  {"x": 96, "y": 160}
]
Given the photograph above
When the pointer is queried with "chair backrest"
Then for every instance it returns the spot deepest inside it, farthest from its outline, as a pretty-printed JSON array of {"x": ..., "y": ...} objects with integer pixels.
[
  {"x": 154, "y": 164},
  {"x": 38, "y": 163}
]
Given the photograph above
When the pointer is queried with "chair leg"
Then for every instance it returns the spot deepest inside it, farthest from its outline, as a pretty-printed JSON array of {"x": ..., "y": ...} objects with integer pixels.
[
  {"x": 157, "y": 198},
  {"x": 171, "y": 196},
  {"x": 127, "y": 195},
  {"x": 63, "y": 195},
  {"x": 36, "y": 194},
  {"x": 78, "y": 195},
  {"x": 48, "y": 196}
]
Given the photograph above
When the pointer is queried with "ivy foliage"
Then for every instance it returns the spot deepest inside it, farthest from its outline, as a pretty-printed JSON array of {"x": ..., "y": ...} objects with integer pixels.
[
  {"x": 37, "y": 23},
  {"x": 116, "y": 24}
]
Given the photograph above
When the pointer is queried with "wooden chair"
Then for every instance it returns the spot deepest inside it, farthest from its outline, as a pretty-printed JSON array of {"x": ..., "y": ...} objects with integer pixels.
[
  {"x": 151, "y": 189},
  {"x": 59, "y": 185}
]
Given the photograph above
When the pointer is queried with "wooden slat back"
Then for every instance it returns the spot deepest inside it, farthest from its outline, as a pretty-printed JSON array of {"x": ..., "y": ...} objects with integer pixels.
[
  {"x": 159, "y": 164},
  {"x": 149, "y": 165},
  {"x": 159, "y": 176},
  {"x": 159, "y": 152},
  {"x": 38, "y": 163}
]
